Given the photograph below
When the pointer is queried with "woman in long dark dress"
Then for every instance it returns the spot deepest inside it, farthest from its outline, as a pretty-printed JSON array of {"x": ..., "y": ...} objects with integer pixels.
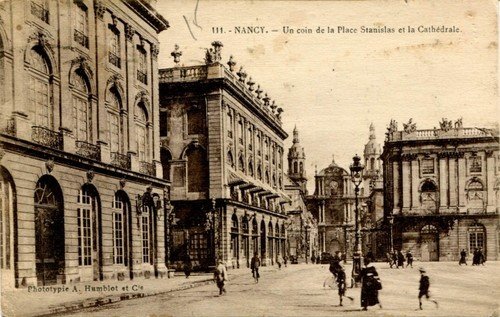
[{"x": 369, "y": 286}]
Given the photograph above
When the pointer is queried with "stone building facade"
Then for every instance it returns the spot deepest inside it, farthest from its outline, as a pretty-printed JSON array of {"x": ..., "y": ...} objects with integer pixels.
[
  {"x": 81, "y": 181},
  {"x": 333, "y": 204},
  {"x": 442, "y": 190},
  {"x": 302, "y": 227},
  {"x": 222, "y": 149}
]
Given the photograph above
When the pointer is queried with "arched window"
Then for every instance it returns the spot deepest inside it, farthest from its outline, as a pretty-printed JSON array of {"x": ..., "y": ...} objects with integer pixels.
[
  {"x": 142, "y": 140},
  {"x": 87, "y": 215},
  {"x": 259, "y": 144},
  {"x": 428, "y": 229},
  {"x": 120, "y": 211},
  {"x": 142, "y": 65},
  {"x": 234, "y": 236},
  {"x": 295, "y": 167},
  {"x": 259, "y": 172},
  {"x": 477, "y": 238},
  {"x": 80, "y": 101},
  {"x": 165, "y": 158},
  {"x": 475, "y": 185},
  {"x": 115, "y": 122},
  {"x": 267, "y": 176},
  {"x": 428, "y": 186},
  {"x": 372, "y": 164},
  {"x": 39, "y": 90},
  {"x": 197, "y": 170},
  {"x": 229, "y": 158},
  {"x": 7, "y": 205},
  {"x": 241, "y": 163},
  {"x": 230, "y": 124},
  {"x": 301, "y": 167},
  {"x": 250, "y": 167}
]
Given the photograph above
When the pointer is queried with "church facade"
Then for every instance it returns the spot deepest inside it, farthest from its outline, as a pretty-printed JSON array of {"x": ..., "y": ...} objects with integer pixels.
[{"x": 442, "y": 190}]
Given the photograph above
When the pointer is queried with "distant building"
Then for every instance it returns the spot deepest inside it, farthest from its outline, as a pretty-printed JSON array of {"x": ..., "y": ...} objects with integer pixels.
[
  {"x": 222, "y": 148},
  {"x": 442, "y": 190},
  {"x": 333, "y": 204},
  {"x": 302, "y": 227},
  {"x": 81, "y": 188}
]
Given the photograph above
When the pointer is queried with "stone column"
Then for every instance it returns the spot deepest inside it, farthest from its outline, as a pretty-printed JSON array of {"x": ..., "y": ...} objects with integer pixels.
[
  {"x": 415, "y": 182},
  {"x": 452, "y": 175},
  {"x": 396, "y": 189},
  {"x": 443, "y": 183},
  {"x": 406, "y": 183},
  {"x": 461, "y": 182},
  {"x": 490, "y": 180}
]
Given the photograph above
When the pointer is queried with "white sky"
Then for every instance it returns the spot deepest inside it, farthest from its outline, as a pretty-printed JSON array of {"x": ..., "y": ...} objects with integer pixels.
[{"x": 333, "y": 85}]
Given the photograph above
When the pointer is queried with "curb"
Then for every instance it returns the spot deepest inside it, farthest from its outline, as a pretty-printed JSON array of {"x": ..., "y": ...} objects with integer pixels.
[{"x": 102, "y": 301}]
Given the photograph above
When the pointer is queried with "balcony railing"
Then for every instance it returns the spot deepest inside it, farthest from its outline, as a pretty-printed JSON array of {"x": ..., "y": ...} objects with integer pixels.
[
  {"x": 40, "y": 12},
  {"x": 147, "y": 168},
  {"x": 47, "y": 137},
  {"x": 8, "y": 127},
  {"x": 81, "y": 38},
  {"x": 142, "y": 77},
  {"x": 120, "y": 160},
  {"x": 88, "y": 150},
  {"x": 114, "y": 59}
]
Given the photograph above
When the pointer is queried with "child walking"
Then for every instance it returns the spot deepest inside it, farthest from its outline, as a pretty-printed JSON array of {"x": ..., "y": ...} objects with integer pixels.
[{"x": 424, "y": 288}]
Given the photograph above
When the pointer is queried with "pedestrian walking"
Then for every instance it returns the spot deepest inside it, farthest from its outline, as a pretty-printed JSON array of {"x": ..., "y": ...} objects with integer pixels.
[
  {"x": 318, "y": 260},
  {"x": 481, "y": 257},
  {"x": 341, "y": 283},
  {"x": 220, "y": 277},
  {"x": 394, "y": 256},
  {"x": 389, "y": 258},
  {"x": 424, "y": 288},
  {"x": 279, "y": 261},
  {"x": 401, "y": 259},
  {"x": 285, "y": 260},
  {"x": 254, "y": 266},
  {"x": 409, "y": 259},
  {"x": 463, "y": 256},
  {"x": 188, "y": 266},
  {"x": 370, "y": 285},
  {"x": 335, "y": 265},
  {"x": 313, "y": 259},
  {"x": 475, "y": 257}
]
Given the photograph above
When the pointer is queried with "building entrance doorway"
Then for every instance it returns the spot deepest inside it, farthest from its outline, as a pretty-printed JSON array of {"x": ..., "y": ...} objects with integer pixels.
[
  {"x": 429, "y": 245},
  {"x": 49, "y": 232}
]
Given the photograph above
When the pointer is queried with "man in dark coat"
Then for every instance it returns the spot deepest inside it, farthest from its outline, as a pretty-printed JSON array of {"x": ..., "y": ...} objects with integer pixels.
[
  {"x": 463, "y": 256},
  {"x": 188, "y": 266},
  {"x": 409, "y": 259},
  {"x": 475, "y": 257},
  {"x": 401, "y": 259},
  {"x": 424, "y": 288},
  {"x": 254, "y": 266},
  {"x": 335, "y": 265},
  {"x": 370, "y": 285}
]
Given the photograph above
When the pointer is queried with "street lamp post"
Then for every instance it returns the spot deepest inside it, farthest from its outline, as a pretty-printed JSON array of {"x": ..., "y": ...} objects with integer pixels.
[
  {"x": 356, "y": 177},
  {"x": 169, "y": 221},
  {"x": 391, "y": 240}
]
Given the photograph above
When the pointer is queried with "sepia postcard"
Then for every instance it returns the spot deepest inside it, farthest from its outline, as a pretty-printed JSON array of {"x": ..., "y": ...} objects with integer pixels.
[{"x": 249, "y": 158}]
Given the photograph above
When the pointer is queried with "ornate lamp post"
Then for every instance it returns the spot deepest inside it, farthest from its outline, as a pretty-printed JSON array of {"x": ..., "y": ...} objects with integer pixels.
[
  {"x": 356, "y": 177},
  {"x": 391, "y": 240},
  {"x": 212, "y": 227},
  {"x": 169, "y": 222}
]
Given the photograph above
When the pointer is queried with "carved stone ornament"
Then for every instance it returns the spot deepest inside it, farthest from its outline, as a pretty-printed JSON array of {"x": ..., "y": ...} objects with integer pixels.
[
  {"x": 41, "y": 39},
  {"x": 250, "y": 84},
  {"x": 213, "y": 54},
  {"x": 259, "y": 92},
  {"x": 81, "y": 62},
  {"x": 90, "y": 175},
  {"x": 123, "y": 182},
  {"x": 49, "y": 165},
  {"x": 99, "y": 9},
  {"x": 114, "y": 80},
  {"x": 155, "y": 50},
  {"x": 410, "y": 126},
  {"x": 445, "y": 125},
  {"x": 129, "y": 32},
  {"x": 458, "y": 123},
  {"x": 393, "y": 126},
  {"x": 176, "y": 54},
  {"x": 231, "y": 63}
]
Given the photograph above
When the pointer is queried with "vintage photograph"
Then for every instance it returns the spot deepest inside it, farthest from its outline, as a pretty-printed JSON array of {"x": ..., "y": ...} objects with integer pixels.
[{"x": 249, "y": 158}]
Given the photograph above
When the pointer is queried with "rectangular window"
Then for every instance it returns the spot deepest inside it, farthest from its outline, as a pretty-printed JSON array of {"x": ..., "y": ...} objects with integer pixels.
[
  {"x": 198, "y": 247},
  {"x": 163, "y": 123},
  {"x": 80, "y": 118},
  {"x": 85, "y": 230},
  {"x": 475, "y": 164},
  {"x": 142, "y": 143},
  {"x": 39, "y": 102},
  {"x": 427, "y": 166},
  {"x": 229, "y": 125},
  {"x": 114, "y": 48},
  {"x": 142, "y": 68},
  {"x": 80, "y": 34},
  {"x": 114, "y": 132},
  {"x": 39, "y": 10},
  {"x": 118, "y": 236},
  {"x": 476, "y": 240},
  {"x": 145, "y": 237},
  {"x": 241, "y": 131}
]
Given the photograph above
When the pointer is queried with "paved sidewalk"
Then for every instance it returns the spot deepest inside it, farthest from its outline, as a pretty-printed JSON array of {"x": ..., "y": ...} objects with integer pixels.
[{"x": 39, "y": 301}]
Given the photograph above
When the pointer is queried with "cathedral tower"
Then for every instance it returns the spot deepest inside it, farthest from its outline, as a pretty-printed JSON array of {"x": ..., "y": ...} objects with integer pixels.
[
  {"x": 371, "y": 155},
  {"x": 297, "y": 162}
]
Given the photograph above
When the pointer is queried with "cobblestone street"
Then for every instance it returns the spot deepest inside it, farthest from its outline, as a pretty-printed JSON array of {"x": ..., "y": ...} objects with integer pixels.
[{"x": 298, "y": 290}]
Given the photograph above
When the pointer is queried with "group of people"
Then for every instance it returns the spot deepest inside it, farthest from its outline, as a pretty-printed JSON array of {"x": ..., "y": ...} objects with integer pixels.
[
  {"x": 371, "y": 284},
  {"x": 397, "y": 259}
]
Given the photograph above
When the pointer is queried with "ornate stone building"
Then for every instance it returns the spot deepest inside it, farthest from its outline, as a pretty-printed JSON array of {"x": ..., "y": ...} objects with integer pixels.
[
  {"x": 442, "y": 189},
  {"x": 222, "y": 148},
  {"x": 302, "y": 227},
  {"x": 333, "y": 204},
  {"x": 81, "y": 182}
]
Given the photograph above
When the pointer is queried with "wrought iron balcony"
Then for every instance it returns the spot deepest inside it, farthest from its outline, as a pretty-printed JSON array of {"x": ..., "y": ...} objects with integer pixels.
[
  {"x": 114, "y": 59},
  {"x": 120, "y": 160},
  {"x": 40, "y": 12},
  {"x": 81, "y": 38},
  {"x": 142, "y": 77},
  {"x": 147, "y": 168},
  {"x": 88, "y": 150},
  {"x": 47, "y": 137},
  {"x": 8, "y": 127}
]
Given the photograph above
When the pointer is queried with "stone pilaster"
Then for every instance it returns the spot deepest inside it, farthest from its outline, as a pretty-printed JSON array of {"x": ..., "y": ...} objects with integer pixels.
[
  {"x": 443, "y": 183},
  {"x": 490, "y": 180},
  {"x": 406, "y": 184},
  {"x": 452, "y": 175},
  {"x": 396, "y": 188},
  {"x": 415, "y": 182},
  {"x": 461, "y": 183}
]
